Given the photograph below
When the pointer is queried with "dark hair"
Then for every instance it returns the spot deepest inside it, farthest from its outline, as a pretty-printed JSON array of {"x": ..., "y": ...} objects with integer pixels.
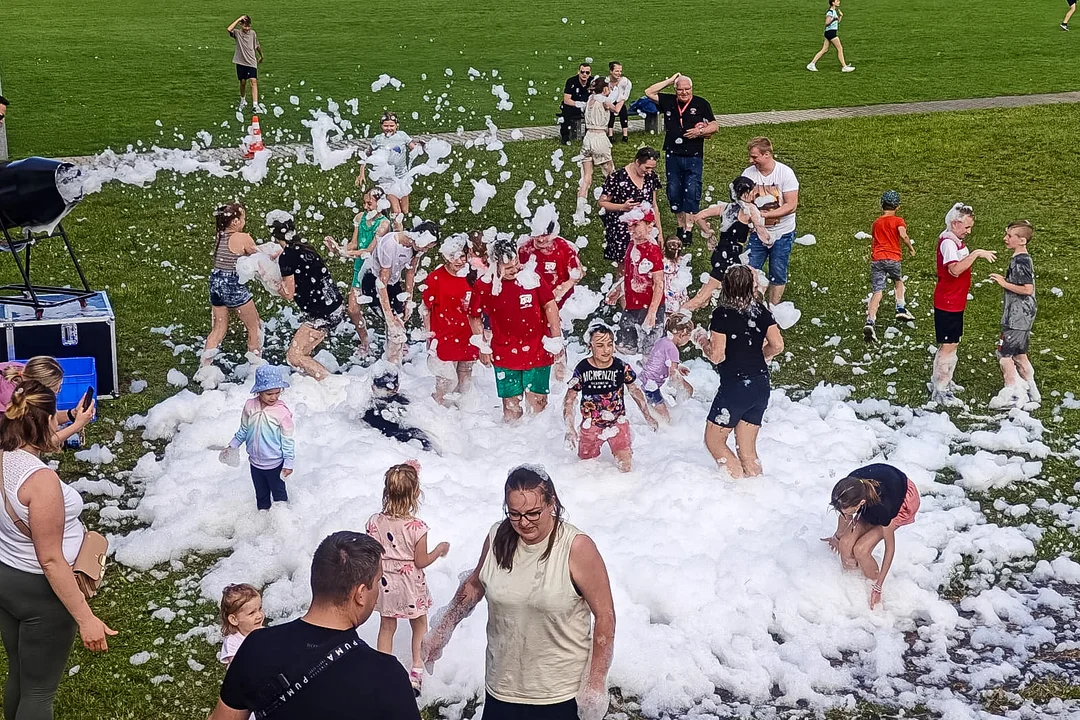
[
  {"x": 520, "y": 479},
  {"x": 246, "y": 21},
  {"x": 742, "y": 185},
  {"x": 343, "y": 562},
  {"x": 831, "y": 3},
  {"x": 225, "y": 214},
  {"x": 4, "y": 100},
  {"x": 611, "y": 65},
  {"x": 388, "y": 117},
  {"x": 285, "y": 231},
  {"x": 428, "y": 226},
  {"x": 646, "y": 153},
  {"x": 504, "y": 249},
  {"x": 1023, "y": 228},
  {"x": 584, "y": 64},
  {"x": 672, "y": 248},
  {"x": 737, "y": 289},
  {"x": 852, "y": 490},
  {"x": 599, "y": 84},
  {"x": 600, "y": 329},
  {"x": 27, "y": 421}
]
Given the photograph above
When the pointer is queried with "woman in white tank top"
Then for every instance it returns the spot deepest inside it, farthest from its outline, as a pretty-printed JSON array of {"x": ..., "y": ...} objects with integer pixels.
[
  {"x": 551, "y": 620},
  {"x": 40, "y": 599}
]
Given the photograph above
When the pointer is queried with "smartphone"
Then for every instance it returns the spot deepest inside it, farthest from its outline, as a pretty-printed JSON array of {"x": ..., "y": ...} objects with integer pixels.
[{"x": 87, "y": 398}]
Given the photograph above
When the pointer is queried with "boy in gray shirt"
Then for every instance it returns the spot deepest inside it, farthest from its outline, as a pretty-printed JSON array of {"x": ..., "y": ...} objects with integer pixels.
[
  {"x": 247, "y": 57},
  {"x": 1017, "y": 319}
]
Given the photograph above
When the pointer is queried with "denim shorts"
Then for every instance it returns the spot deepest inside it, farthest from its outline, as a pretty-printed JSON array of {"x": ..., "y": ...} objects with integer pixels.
[
  {"x": 778, "y": 256},
  {"x": 655, "y": 397},
  {"x": 226, "y": 290},
  {"x": 882, "y": 270},
  {"x": 683, "y": 175}
]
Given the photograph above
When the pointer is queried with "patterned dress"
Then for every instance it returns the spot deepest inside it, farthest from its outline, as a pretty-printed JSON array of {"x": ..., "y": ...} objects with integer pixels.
[
  {"x": 403, "y": 591},
  {"x": 619, "y": 188}
]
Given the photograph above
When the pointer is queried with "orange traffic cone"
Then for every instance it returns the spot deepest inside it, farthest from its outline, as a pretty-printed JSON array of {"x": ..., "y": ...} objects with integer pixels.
[{"x": 256, "y": 143}]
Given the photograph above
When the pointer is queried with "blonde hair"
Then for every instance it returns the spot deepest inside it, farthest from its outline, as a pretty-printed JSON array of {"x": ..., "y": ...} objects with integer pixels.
[
  {"x": 234, "y": 597},
  {"x": 41, "y": 368},
  {"x": 401, "y": 493},
  {"x": 761, "y": 144},
  {"x": 1023, "y": 228},
  {"x": 27, "y": 420}
]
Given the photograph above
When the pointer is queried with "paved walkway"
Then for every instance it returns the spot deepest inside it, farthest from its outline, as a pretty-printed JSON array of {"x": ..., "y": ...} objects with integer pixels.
[{"x": 771, "y": 117}]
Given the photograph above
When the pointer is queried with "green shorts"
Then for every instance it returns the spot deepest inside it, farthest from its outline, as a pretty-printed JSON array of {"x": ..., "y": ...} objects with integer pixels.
[{"x": 513, "y": 383}]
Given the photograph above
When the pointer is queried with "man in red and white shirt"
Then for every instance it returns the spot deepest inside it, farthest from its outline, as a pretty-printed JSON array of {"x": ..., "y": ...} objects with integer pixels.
[
  {"x": 642, "y": 321},
  {"x": 446, "y": 297},
  {"x": 556, "y": 260},
  {"x": 526, "y": 337},
  {"x": 954, "y": 262}
]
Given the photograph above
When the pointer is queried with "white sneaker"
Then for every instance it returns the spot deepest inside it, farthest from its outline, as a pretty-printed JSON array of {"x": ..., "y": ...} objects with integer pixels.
[
  {"x": 812, "y": 67},
  {"x": 848, "y": 68},
  {"x": 242, "y": 104}
]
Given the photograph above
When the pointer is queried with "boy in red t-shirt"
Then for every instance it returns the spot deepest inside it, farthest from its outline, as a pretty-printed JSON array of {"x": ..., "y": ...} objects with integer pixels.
[
  {"x": 954, "y": 263},
  {"x": 446, "y": 297},
  {"x": 556, "y": 260},
  {"x": 526, "y": 337},
  {"x": 885, "y": 257},
  {"x": 642, "y": 290}
]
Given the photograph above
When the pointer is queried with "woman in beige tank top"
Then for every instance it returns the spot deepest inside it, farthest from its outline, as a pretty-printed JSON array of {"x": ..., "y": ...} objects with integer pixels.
[{"x": 551, "y": 620}]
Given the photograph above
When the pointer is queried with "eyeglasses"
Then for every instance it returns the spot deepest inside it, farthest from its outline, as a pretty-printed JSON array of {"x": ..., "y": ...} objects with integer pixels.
[{"x": 530, "y": 515}]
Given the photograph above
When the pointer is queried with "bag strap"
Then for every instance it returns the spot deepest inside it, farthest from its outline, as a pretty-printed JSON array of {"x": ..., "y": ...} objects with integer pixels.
[
  {"x": 19, "y": 524},
  {"x": 281, "y": 689}
]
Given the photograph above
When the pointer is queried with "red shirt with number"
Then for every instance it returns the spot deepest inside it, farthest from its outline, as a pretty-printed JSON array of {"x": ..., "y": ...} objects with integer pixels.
[
  {"x": 642, "y": 261},
  {"x": 518, "y": 323},
  {"x": 556, "y": 265},
  {"x": 950, "y": 293},
  {"x": 447, "y": 297}
]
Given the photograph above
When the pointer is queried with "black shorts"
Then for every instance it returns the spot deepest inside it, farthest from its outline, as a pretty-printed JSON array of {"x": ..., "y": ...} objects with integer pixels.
[
  {"x": 740, "y": 399},
  {"x": 723, "y": 257},
  {"x": 394, "y": 290},
  {"x": 498, "y": 710},
  {"x": 830, "y": 34},
  {"x": 1071, "y": 2},
  {"x": 948, "y": 326},
  {"x": 246, "y": 72},
  {"x": 623, "y": 115}
]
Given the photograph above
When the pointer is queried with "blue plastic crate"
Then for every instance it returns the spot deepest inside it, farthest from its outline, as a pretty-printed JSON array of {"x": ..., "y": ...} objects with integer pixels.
[{"x": 80, "y": 373}]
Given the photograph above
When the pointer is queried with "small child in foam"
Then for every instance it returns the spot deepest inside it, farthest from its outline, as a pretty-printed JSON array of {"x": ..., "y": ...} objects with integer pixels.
[
  {"x": 873, "y": 501},
  {"x": 658, "y": 366},
  {"x": 266, "y": 427},
  {"x": 1017, "y": 319},
  {"x": 241, "y": 614},
  {"x": 404, "y": 594}
]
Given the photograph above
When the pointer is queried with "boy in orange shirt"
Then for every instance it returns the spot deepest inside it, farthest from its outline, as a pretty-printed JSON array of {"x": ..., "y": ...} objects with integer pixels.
[{"x": 885, "y": 257}]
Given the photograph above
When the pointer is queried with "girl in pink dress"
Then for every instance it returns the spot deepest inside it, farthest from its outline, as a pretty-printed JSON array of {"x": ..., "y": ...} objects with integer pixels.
[{"x": 403, "y": 592}]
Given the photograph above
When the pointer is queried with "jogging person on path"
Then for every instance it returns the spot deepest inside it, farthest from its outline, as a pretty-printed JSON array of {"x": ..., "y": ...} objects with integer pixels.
[
  {"x": 247, "y": 57},
  {"x": 526, "y": 337}
]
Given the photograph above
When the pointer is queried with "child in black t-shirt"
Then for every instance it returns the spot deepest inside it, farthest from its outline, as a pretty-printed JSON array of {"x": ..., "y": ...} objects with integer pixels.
[
  {"x": 601, "y": 378},
  {"x": 872, "y": 501}
]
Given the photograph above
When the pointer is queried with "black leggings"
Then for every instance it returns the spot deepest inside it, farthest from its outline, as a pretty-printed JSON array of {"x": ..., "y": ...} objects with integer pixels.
[
  {"x": 498, "y": 710},
  {"x": 624, "y": 118},
  {"x": 37, "y": 631}
]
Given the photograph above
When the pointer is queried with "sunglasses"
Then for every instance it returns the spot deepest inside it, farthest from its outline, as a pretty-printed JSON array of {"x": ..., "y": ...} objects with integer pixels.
[{"x": 585, "y": 72}]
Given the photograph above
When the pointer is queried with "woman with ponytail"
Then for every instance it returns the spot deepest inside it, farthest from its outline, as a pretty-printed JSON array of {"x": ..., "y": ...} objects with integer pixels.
[
  {"x": 551, "y": 620},
  {"x": 41, "y": 605},
  {"x": 47, "y": 371},
  {"x": 872, "y": 502}
]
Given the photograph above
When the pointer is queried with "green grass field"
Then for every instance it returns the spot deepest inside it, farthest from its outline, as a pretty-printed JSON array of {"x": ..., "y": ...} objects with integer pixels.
[
  {"x": 991, "y": 159},
  {"x": 84, "y": 76}
]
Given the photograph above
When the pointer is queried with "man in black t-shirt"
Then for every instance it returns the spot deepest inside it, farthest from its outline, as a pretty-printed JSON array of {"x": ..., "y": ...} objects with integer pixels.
[
  {"x": 358, "y": 682},
  {"x": 688, "y": 120},
  {"x": 575, "y": 95}
]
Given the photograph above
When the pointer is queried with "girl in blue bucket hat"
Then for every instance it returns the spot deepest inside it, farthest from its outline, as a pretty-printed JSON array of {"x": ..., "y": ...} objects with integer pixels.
[{"x": 266, "y": 427}]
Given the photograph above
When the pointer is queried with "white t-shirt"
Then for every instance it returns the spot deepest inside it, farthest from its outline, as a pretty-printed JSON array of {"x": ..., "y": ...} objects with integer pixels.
[
  {"x": 17, "y": 550},
  {"x": 781, "y": 180},
  {"x": 389, "y": 253},
  {"x": 620, "y": 91},
  {"x": 398, "y": 147},
  {"x": 229, "y": 645}
]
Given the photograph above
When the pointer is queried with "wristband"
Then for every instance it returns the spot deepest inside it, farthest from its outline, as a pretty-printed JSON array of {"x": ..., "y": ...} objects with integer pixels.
[{"x": 876, "y": 587}]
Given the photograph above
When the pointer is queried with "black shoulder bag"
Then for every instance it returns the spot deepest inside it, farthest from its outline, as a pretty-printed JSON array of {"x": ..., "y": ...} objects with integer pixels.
[{"x": 284, "y": 688}]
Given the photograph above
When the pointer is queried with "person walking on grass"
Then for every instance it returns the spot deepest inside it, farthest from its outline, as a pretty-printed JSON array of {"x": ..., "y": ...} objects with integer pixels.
[
  {"x": 872, "y": 502},
  {"x": 688, "y": 122},
  {"x": 619, "y": 97},
  {"x": 226, "y": 292},
  {"x": 247, "y": 57},
  {"x": 403, "y": 593},
  {"x": 885, "y": 257},
  {"x": 601, "y": 379},
  {"x": 1017, "y": 319},
  {"x": 1068, "y": 14},
  {"x": 526, "y": 335},
  {"x": 551, "y": 619},
  {"x": 954, "y": 262},
  {"x": 743, "y": 339},
  {"x": 41, "y": 534},
  {"x": 833, "y": 16}
]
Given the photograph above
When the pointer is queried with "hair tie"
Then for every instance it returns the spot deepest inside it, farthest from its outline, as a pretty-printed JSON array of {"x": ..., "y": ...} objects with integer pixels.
[{"x": 414, "y": 464}]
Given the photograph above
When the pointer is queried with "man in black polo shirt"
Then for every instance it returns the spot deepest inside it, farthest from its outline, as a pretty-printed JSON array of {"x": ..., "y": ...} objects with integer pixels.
[
  {"x": 330, "y": 671},
  {"x": 688, "y": 120},
  {"x": 575, "y": 95}
]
